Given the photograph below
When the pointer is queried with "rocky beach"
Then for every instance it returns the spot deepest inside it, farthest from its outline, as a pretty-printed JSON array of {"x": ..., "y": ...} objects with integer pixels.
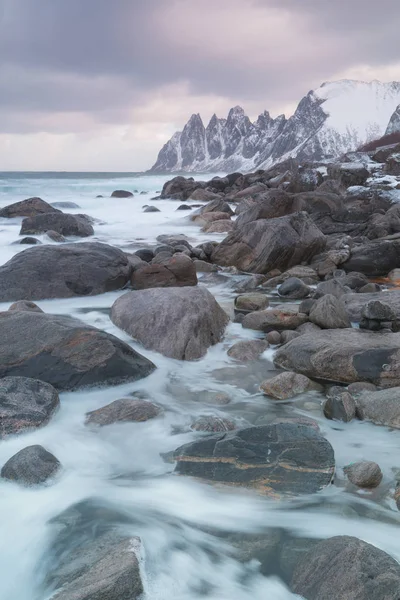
[{"x": 200, "y": 383}]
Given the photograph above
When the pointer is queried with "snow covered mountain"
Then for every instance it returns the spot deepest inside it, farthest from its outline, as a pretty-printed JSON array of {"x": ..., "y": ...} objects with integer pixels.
[
  {"x": 394, "y": 123},
  {"x": 337, "y": 117}
]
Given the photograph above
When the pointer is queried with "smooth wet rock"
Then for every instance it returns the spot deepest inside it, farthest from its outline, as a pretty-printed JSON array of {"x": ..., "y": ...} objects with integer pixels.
[
  {"x": 281, "y": 459},
  {"x": 62, "y": 223},
  {"x": 287, "y": 385},
  {"x": 379, "y": 310},
  {"x": 27, "y": 208},
  {"x": 65, "y": 352},
  {"x": 361, "y": 386},
  {"x": 248, "y": 350},
  {"x": 347, "y": 568},
  {"x": 31, "y": 466},
  {"x": 177, "y": 271},
  {"x": 294, "y": 289},
  {"x": 145, "y": 254},
  {"x": 184, "y": 207},
  {"x": 221, "y": 226},
  {"x": 380, "y": 407},
  {"x": 55, "y": 236},
  {"x": 339, "y": 405},
  {"x": 122, "y": 411},
  {"x": 306, "y": 305},
  {"x": 273, "y": 320},
  {"x": 307, "y": 328},
  {"x": 151, "y": 209},
  {"x": 251, "y": 302},
  {"x": 202, "y": 266},
  {"x": 375, "y": 258},
  {"x": 364, "y": 474},
  {"x": 289, "y": 335},
  {"x": 121, "y": 194},
  {"x": 344, "y": 356},
  {"x": 213, "y": 424},
  {"x": 179, "y": 323},
  {"x": 274, "y": 338},
  {"x": 25, "y": 404},
  {"x": 266, "y": 244},
  {"x": 333, "y": 287},
  {"x": 329, "y": 312},
  {"x": 25, "y": 305},
  {"x": 83, "y": 269},
  {"x": 28, "y": 241}
]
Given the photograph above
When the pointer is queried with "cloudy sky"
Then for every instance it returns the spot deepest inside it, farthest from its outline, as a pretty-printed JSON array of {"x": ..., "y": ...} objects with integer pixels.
[{"x": 102, "y": 84}]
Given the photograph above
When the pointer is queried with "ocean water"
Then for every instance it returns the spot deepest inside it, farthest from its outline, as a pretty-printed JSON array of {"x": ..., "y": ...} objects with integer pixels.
[{"x": 182, "y": 523}]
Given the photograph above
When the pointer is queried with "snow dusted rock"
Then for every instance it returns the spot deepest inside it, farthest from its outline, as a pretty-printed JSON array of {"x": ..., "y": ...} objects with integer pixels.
[
  {"x": 328, "y": 122},
  {"x": 394, "y": 123}
]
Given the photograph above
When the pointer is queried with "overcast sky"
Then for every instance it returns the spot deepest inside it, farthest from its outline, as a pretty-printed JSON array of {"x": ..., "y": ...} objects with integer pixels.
[{"x": 102, "y": 84}]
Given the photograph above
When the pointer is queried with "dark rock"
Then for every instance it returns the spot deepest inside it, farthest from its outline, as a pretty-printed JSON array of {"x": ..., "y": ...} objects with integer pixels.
[
  {"x": 27, "y": 208},
  {"x": 287, "y": 385},
  {"x": 248, "y": 350},
  {"x": 207, "y": 219},
  {"x": 161, "y": 258},
  {"x": 291, "y": 551},
  {"x": 355, "y": 303},
  {"x": 55, "y": 237},
  {"x": 202, "y": 195},
  {"x": 180, "y": 188},
  {"x": 218, "y": 205},
  {"x": 376, "y": 309},
  {"x": 135, "y": 262},
  {"x": 344, "y": 356},
  {"x": 184, "y": 207},
  {"x": 221, "y": 226},
  {"x": 31, "y": 466},
  {"x": 306, "y": 305},
  {"x": 274, "y": 338},
  {"x": 121, "y": 194},
  {"x": 381, "y": 407},
  {"x": 65, "y": 352},
  {"x": 123, "y": 410},
  {"x": 25, "y": 404},
  {"x": 177, "y": 322},
  {"x": 364, "y": 474},
  {"x": 177, "y": 271},
  {"x": 65, "y": 205},
  {"x": 84, "y": 269},
  {"x": 273, "y": 320},
  {"x": 251, "y": 302},
  {"x": 348, "y": 567},
  {"x": 213, "y": 424},
  {"x": 151, "y": 209},
  {"x": 266, "y": 244},
  {"x": 25, "y": 305},
  {"x": 28, "y": 241},
  {"x": 339, "y": 405},
  {"x": 202, "y": 266},
  {"x": 375, "y": 258},
  {"x": 258, "y": 457},
  {"x": 361, "y": 386},
  {"x": 145, "y": 254},
  {"x": 369, "y": 288},
  {"x": 294, "y": 289},
  {"x": 288, "y": 336},
  {"x": 65, "y": 224},
  {"x": 334, "y": 287},
  {"x": 307, "y": 328},
  {"x": 348, "y": 174},
  {"x": 329, "y": 312}
]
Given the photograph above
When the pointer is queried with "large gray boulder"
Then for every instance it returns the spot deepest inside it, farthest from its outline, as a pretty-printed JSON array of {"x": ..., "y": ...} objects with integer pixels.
[
  {"x": 329, "y": 312},
  {"x": 31, "y": 207},
  {"x": 344, "y": 356},
  {"x": 280, "y": 459},
  {"x": 65, "y": 352},
  {"x": 266, "y": 244},
  {"x": 177, "y": 322},
  {"x": 64, "y": 224},
  {"x": 177, "y": 271},
  {"x": 31, "y": 466},
  {"x": 66, "y": 271},
  {"x": 355, "y": 303},
  {"x": 25, "y": 404},
  {"x": 380, "y": 407},
  {"x": 346, "y": 567},
  {"x": 374, "y": 259}
]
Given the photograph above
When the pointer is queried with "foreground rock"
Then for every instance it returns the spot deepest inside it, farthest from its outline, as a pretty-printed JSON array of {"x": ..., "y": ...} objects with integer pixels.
[
  {"x": 27, "y": 208},
  {"x": 355, "y": 303},
  {"x": 123, "y": 410},
  {"x": 31, "y": 466},
  {"x": 266, "y": 244},
  {"x": 65, "y": 352},
  {"x": 178, "y": 271},
  {"x": 213, "y": 424},
  {"x": 64, "y": 224},
  {"x": 344, "y": 356},
  {"x": 177, "y": 322},
  {"x": 64, "y": 271},
  {"x": 274, "y": 320},
  {"x": 287, "y": 385},
  {"x": 381, "y": 407},
  {"x": 339, "y": 405},
  {"x": 374, "y": 259},
  {"x": 121, "y": 194},
  {"x": 25, "y": 404},
  {"x": 346, "y": 567},
  {"x": 329, "y": 312},
  {"x": 364, "y": 474},
  {"x": 280, "y": 459},
  {"x": 248, "y": 350}
]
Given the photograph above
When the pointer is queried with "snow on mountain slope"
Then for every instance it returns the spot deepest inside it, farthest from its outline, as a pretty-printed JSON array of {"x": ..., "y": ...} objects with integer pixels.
[{"x": 337, "y": 117}]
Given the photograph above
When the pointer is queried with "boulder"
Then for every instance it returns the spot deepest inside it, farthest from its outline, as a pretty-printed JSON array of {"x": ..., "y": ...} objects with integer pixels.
[
  {"x": 294, "y": 289},
  {"x": 31, "y": 466},
  {"x": 177, "y": 322},
  {"x": 145, "y": 254},
  {"x": 221, "y": 226},
  {"x": 248, "y": 350},
  {"x": 217, "y": 205},
  {"x": 289, "y": 335},
  {"x": 364, "y": 474},
  {"x": 122, "y": 411},
  {"x": 65, "y": 352},
  {"x": 84, "y": 269},
  {"x": 287, "y": 385},
  {"x": 180, "y": 188},
  {"x": 347, "y": 568},
  {"x": 334, "y": 287},
  {"x": 274, "y": 338},
  {"x": 121, "y": 194},
  {"x": 348, "y": 174},
  {"x": 28, "y": 241},
  {"x": 356, "y": 303},
  {"x": 55, "y": 237},
  {"x": 202, "y": 266},
  {"x": 274, "y": 320},
  {"x": 151, "y": 209},
  {"x": 205, "y": 220},
  {"x": 378, "y": 310},
  {"x": 266, "y": 244},
  {"x": 212, "y": 424},
  {"x": 251, "y": 302},
  {"x": 202, "y": 195},
  {"x": 281, "y": 459},
  {"x": 329, "y": 312},
  {"x": 339, "y": 405},
  {"x": 380, "y": 407},
  {"x": 25, "y": 404},
  {"x": 177, "y": 271},
  {"x": 65, "y": 224},
  {"x": 375, "y": 258},
  {"x": 392, "y": 166},
  {"x": 344, "y": 356},
  {"x": 25, "y": 305},
  {"x": 27, "y": 208}
]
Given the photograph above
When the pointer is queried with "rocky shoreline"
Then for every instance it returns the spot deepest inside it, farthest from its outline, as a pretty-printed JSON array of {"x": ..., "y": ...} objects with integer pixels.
[{"x": 312, "y": 253}]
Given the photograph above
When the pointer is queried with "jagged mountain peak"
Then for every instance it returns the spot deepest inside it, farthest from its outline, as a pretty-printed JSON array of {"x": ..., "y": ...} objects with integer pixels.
[{"x": 336, "y": 117}]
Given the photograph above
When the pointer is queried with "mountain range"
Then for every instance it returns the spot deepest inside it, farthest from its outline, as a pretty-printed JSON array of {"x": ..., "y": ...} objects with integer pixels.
[{"x": 337, "y": 117}]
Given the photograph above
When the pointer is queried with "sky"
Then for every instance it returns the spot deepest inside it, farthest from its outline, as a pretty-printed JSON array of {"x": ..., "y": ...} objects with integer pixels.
[{"x": 101, "y": 85}]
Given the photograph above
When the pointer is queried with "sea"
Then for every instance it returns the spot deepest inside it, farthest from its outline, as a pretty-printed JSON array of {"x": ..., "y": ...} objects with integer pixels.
[{"x": 185, "y": 525}]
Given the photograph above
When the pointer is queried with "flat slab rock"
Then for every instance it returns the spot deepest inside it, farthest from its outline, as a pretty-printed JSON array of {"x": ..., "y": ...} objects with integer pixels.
[
  {"x": 344, "y": 356},
  {"x": 284, "y": 459},
  {"x": 177, "y": 322},
  {"x": 65, "y": 352},
  {"x": 381, "y": 407}
]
